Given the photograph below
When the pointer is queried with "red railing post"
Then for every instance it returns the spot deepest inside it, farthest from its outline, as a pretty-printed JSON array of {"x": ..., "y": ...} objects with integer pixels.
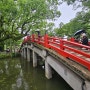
[
  {"x": 33, "y": 37},
  {"x": 46, "y": 40},
  {"x": 39, "y": 39},
  {"x": 53, "y": 39},
  {"x": 28, "y": 38},
  {"x": 61, "y": 44},
  {"x": 72, "y": 39}
]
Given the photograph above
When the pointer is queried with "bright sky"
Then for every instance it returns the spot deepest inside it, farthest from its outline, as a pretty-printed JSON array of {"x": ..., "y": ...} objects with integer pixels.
[{"x": 67, "y": 13}]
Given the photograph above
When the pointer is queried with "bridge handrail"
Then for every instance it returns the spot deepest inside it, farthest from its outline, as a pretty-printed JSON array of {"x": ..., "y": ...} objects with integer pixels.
[{"x": 59, "y": 45}]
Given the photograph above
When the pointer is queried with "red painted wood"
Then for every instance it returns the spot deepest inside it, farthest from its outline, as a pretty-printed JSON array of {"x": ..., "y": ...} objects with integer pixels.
[{"x": 59, "y": 45}]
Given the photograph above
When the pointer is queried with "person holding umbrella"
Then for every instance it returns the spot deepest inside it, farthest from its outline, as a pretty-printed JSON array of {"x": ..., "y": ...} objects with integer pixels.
[
  {"x": 84, "y": 39},
  {"x": 77, "y": 34}
]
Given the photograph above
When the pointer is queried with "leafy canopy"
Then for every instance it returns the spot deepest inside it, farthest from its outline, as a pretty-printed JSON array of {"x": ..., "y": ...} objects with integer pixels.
[
  {"x": 81, "y": 21},
  {"x": 20, "y": 17}
]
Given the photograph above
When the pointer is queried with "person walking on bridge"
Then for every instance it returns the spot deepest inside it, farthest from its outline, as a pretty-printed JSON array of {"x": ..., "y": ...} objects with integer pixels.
[{"x": 84, "y": 39}]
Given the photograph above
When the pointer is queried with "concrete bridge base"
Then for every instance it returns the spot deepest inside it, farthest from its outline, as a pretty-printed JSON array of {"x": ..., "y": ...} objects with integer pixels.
[
  {"x": 48, "y": 70},
  {"x": 69, "y": 72},
  {"x": 28, "y": 55},
  {"x": 34, "y": 59}
]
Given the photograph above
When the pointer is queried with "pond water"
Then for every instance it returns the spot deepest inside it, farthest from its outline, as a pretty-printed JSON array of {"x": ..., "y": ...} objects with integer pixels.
[{"x": 17, "y": 74}]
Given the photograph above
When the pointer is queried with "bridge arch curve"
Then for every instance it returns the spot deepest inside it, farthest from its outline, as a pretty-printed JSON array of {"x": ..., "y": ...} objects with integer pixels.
[{"x": 57, "y": 62}]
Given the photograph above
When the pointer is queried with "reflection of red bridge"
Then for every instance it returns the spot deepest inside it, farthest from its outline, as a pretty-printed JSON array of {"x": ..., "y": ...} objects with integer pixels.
[{"x": 67, "y": 48}]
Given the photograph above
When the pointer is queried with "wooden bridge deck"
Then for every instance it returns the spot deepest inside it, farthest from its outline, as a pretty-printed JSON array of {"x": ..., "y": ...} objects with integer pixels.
[
  {"x": 74, "y": 51},
  {"x": 76, "y": 67}
]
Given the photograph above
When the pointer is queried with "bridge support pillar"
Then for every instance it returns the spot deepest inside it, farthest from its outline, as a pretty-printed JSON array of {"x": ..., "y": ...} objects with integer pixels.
[
  {"x": 44, "y": 53},
  {"x": 34, "y": 59},
  {"x": 24, "y": 53},
  {"x": 87, "y": 85},
  {"x": 28, "y": 55},
  {"x": 48, "y": 70}
]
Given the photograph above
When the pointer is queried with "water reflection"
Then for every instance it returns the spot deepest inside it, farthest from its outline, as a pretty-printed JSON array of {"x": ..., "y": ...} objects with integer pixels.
[{"x": 16, "y": 74}]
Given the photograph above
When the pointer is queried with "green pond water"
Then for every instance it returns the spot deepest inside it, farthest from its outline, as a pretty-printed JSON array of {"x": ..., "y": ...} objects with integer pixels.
[{"x": 17, "y": 74}]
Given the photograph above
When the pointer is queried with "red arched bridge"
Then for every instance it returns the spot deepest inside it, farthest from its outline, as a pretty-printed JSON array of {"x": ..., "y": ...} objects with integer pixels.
[
  {"x": 70, "y": 59},
  {"x": 67, "y": 48}
]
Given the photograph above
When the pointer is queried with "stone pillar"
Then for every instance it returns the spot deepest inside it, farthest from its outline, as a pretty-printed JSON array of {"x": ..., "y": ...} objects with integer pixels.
[
  {"x": 48, "y": 70},
  {"x": 21, "y": 53},
  {"x": 24, "y": 53},
  {"x": 28, "y": 55},
  {"x": 34, "y": 59},
  {"x": 44, "y": 53},
  {"x": 87, "y": 85}
]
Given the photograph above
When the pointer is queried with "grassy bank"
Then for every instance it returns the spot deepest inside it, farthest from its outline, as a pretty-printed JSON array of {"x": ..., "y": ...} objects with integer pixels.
[{"x": 8, "y": 55}]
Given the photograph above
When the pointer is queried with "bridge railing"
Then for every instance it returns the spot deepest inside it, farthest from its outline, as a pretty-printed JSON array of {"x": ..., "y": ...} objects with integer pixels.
[{"x": 63, "y": 47}]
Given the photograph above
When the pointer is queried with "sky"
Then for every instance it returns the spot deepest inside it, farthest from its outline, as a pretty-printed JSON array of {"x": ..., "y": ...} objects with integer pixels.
[{"x": 67, "y": 13}]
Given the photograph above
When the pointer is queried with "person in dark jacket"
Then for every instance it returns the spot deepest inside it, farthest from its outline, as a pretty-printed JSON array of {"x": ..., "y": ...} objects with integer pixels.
[{"x": 84, "y": 39}]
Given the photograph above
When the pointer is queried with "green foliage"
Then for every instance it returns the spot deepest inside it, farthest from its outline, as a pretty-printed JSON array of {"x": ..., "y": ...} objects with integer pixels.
[
  {"x": 1, "y": 46},
  {"x": 3, "y": 56},
  {"x": 81, "y": 21},
  {"x": 19, "y": 17},
  {"x": 71, "y": 27},
  {"x": 78, "y": 3},
  {"x": 69, "y": 1},
  {"x": 15, "y": 54}
]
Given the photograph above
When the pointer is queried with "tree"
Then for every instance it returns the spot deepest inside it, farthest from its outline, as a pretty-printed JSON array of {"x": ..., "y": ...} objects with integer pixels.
[
  {"x": 24, "y": 15},
  {"x": 50, "y": 28},
  {"x": 78, "y": 3},
  {"x": 69, "y": 28},
  {"x": 20, "y": 17},
  {"x": 82, "y": 19}
]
